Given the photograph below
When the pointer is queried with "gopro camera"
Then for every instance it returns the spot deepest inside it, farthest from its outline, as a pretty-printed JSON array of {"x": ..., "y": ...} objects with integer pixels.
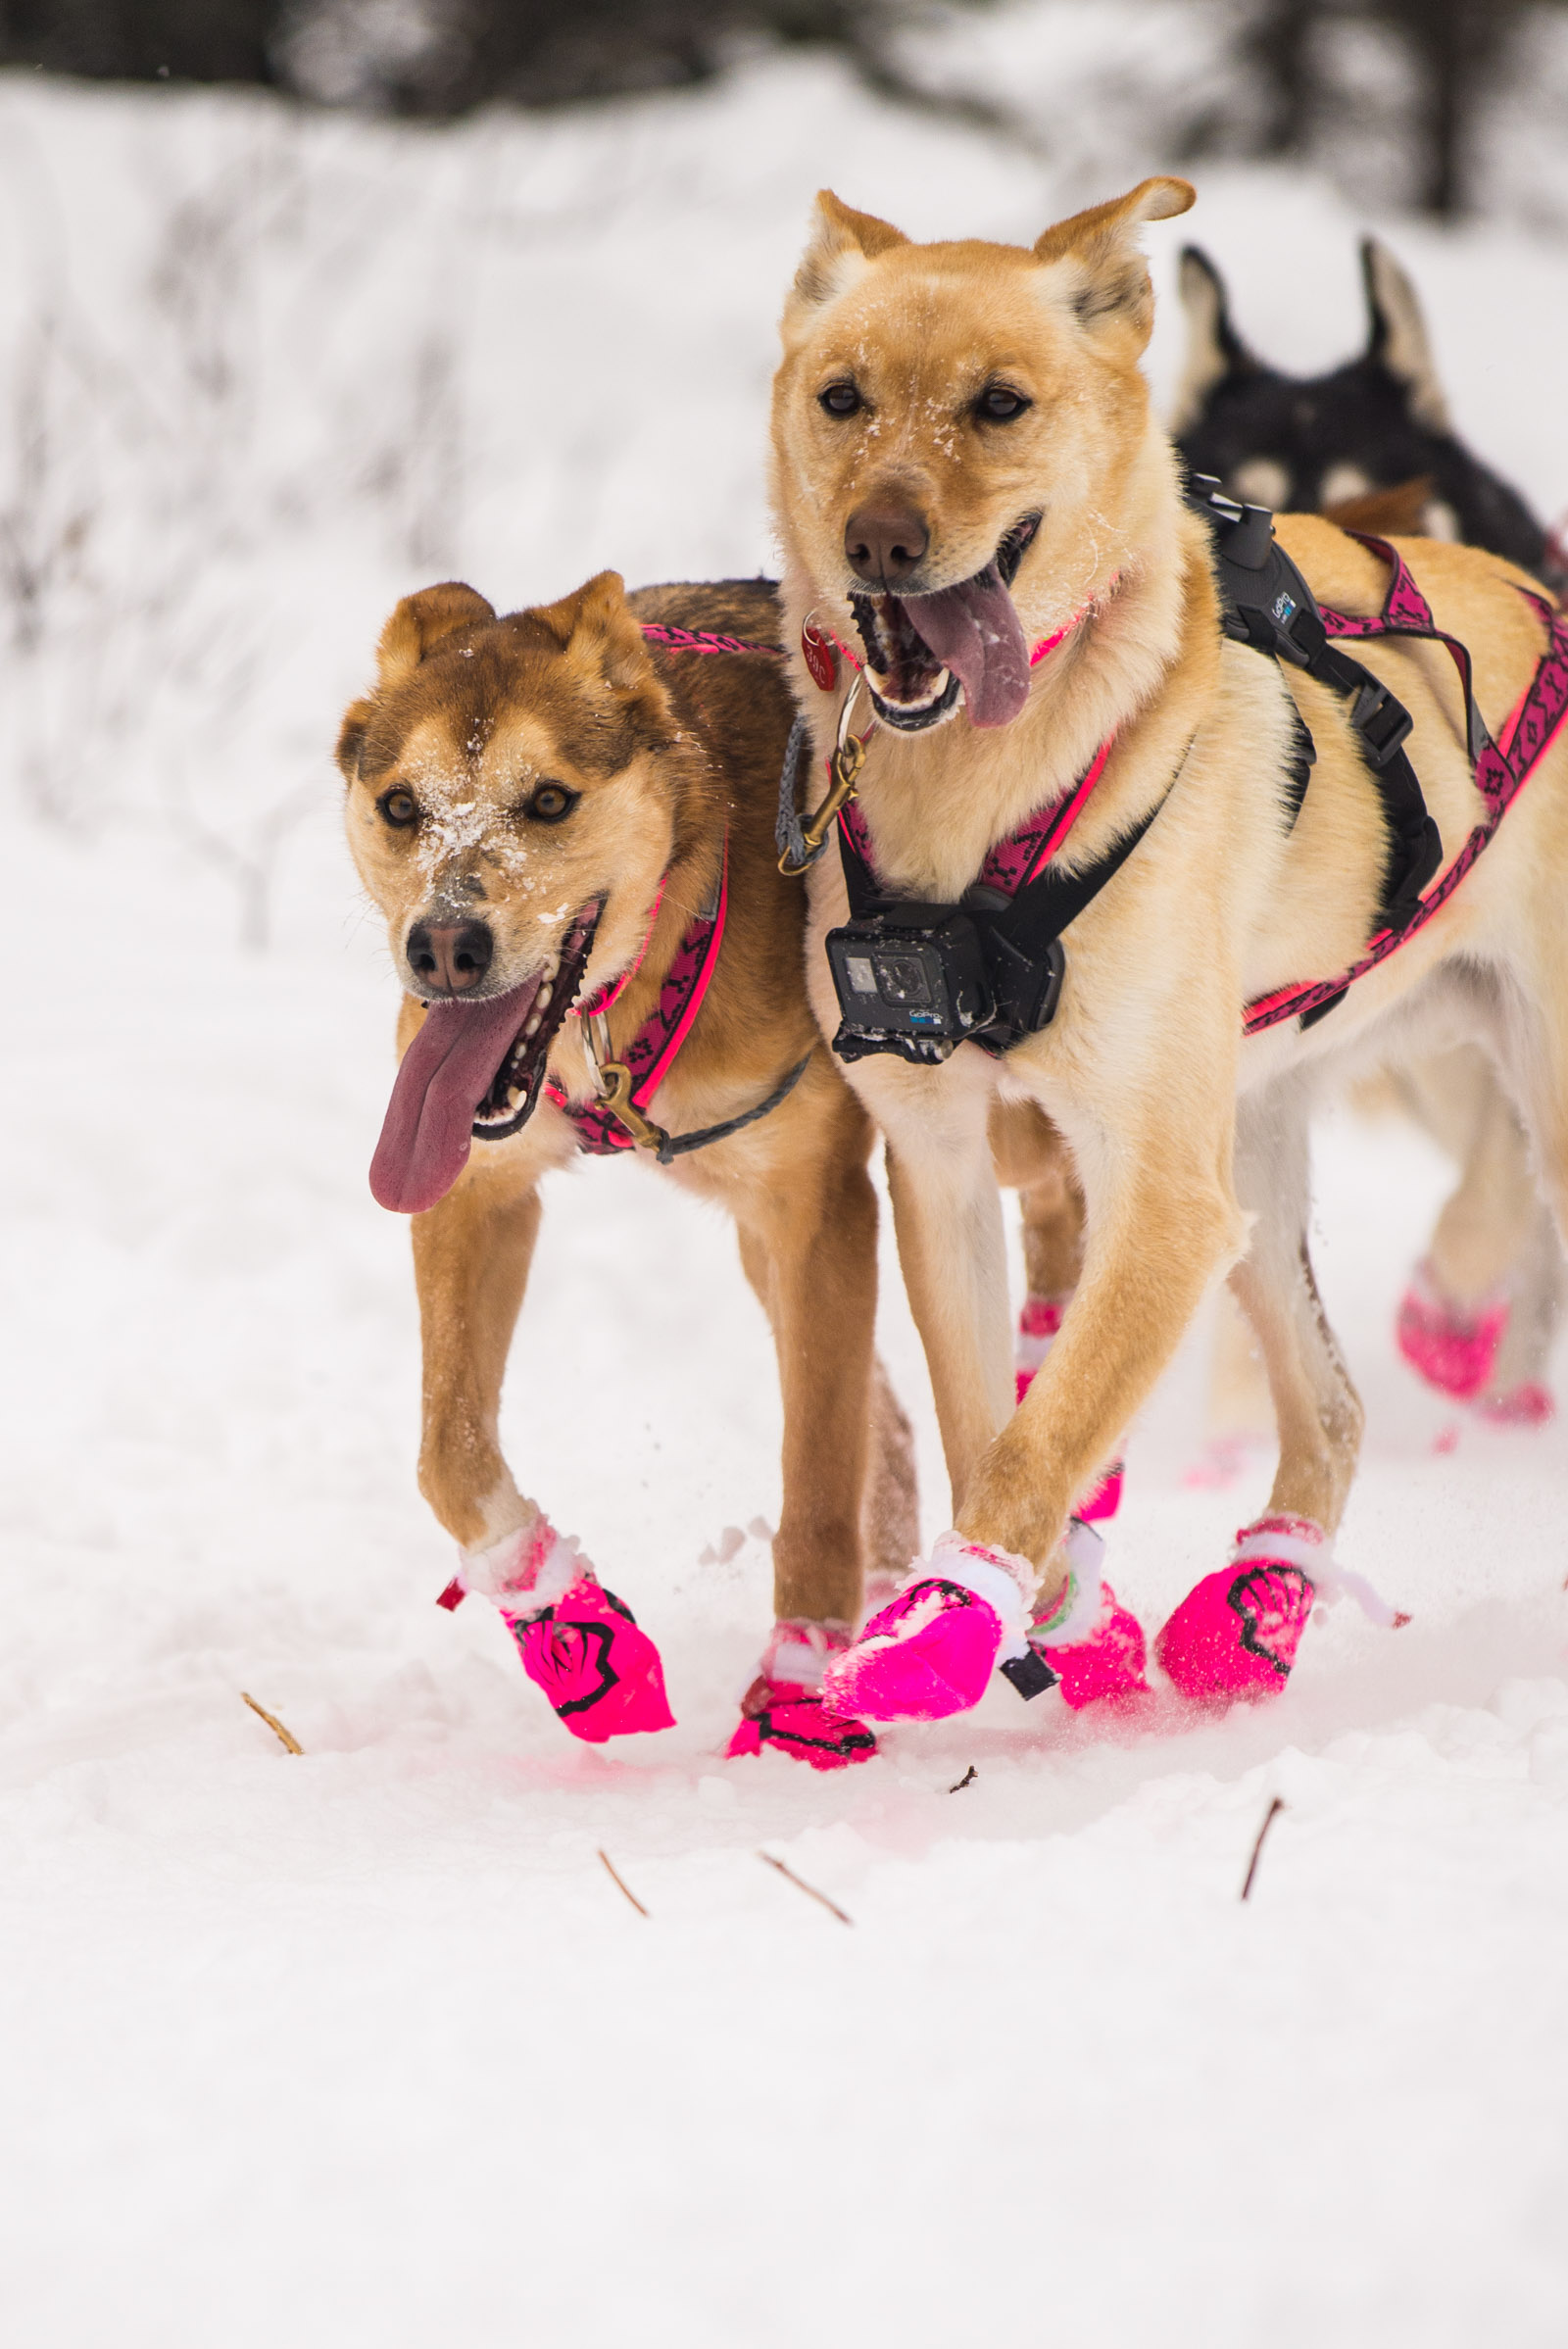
[
  {"x": 919, "y": 980},
  {"x": 910, "y": 979}
]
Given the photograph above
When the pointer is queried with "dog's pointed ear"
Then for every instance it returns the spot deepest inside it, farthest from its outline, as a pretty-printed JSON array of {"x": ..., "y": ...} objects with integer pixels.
[
  {"x": 351, "y": 737},
  {"x": 1397, "y": 335},
  {"x": 1097, "y": 264},
  {"x": 596, "y": 626},
  {"x": 421, "y": 623},
  {"x": 1214, "y": 349},
  {"x": 842, "y": 243}
]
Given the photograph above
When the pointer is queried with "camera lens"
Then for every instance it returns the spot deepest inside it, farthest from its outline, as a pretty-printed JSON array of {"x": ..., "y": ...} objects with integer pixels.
[{"x": 902, "y": 978}]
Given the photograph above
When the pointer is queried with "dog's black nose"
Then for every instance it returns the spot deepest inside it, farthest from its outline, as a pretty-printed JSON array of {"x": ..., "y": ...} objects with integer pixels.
[
  {"x": 450, "y": 958},
  {"x": 885, "y": 543}
]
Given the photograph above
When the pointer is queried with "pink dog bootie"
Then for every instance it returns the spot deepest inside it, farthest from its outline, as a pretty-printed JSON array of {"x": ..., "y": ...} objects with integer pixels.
[
  {"x": 1235, "y": 1636},
  {"x": 579, "y": 1641},
  {"x": 1087, "y": 1644},
  {"x": 784, "y": 1708},
  {"x": 1039, "y": 1321},
  {"x": 1529, "y": 1405},
  {"x": 1453, "y": 1348},
  {"x": 931, "y": 1653}
]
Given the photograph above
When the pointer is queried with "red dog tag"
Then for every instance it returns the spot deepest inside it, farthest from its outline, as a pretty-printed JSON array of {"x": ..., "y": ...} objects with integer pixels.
[{"x": 820, "y": 658}]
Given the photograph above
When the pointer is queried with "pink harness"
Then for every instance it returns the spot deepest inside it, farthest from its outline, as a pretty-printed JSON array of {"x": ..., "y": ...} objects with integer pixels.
[
  {"x": 1501, "y": 768},
  {"x": 1013, "y": 862},
  {"x": 652, "y": 1052}
]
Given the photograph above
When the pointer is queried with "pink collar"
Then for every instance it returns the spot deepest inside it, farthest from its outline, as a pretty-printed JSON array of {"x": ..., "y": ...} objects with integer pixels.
[{"x": 652, "y": 1050}]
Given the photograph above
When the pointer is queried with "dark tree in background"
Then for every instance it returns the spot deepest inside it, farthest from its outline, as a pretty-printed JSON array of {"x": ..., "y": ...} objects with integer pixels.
[
  {"x": 139, "y": 40},
  {"x": 1459, "y": 46},
  {"x": 444, "y": 57},
  {"x": 1458, "y": 51}
]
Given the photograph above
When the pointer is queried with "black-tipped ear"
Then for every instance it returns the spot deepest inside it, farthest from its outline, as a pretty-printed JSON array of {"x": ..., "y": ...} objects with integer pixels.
[
  {"x": 1397, "y": 338},
  {"x": 1214, "y": 349}
]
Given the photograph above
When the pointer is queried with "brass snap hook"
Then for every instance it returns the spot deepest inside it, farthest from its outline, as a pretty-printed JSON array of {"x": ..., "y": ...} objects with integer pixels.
[
  {"x": 844, "y": 773},
  {"x": 615, "y": 1095}
]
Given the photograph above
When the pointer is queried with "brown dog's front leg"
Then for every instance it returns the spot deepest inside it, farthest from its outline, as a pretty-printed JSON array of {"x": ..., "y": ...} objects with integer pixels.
[
  {"x": 810, "y": 1251},
  {"x": 470, "y": 1261}
]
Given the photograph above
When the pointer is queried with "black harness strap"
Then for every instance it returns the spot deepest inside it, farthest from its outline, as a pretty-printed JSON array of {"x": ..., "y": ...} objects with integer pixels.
[
  {"x": 675, "y": 1145},
  {"x": 1268, "y": 604}
]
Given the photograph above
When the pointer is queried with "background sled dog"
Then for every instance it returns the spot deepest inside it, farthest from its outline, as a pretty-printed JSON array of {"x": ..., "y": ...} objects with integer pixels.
[
  {"x": 1372, "y": 443},
  {"x": 971, "y": 492},
  {"x": 565, "y": 817}
]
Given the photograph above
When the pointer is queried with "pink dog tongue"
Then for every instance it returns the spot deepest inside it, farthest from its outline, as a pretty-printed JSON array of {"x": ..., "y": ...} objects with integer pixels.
[
  {"x": 441, "y": 1079},
  {"x": 973, "y": 630}
]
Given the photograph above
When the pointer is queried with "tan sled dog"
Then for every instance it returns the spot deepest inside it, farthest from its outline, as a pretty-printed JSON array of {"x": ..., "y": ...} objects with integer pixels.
[
  {"x": 965, "y": 469},
  {"x": 567, "y": 820}
]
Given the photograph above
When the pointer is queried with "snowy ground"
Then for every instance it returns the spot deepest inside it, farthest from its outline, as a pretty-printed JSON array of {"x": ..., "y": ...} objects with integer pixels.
[{"x": 365, "y": 2045}]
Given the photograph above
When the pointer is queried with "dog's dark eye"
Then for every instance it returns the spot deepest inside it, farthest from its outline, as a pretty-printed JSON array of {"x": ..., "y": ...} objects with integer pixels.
[
  {"x": 552, "y": 802},
  {"x": 840, "y": 398},
  {"x": 399, "y": 807},
  {"x": 996, "y": 405}
]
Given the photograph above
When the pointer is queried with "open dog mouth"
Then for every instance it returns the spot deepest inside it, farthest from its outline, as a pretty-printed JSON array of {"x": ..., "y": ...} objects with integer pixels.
[
  {"x": 474, "y": 1068},
  {"x": 514, "y": 1093},
  {"x": 921, "y": 650}
]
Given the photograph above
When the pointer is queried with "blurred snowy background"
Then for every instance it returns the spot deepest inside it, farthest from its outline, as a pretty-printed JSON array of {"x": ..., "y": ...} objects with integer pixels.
[{"x": 364, "y": 2046}]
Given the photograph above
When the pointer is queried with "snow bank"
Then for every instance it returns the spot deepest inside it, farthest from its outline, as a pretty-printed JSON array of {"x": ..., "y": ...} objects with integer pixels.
[{"x": 366, "y": 2045}]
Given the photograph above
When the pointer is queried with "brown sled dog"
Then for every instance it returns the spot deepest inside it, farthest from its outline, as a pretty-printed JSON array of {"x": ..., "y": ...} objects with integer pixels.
[
  {"x": 554, "y": 813},
  {"x": 964, "y": 468}
]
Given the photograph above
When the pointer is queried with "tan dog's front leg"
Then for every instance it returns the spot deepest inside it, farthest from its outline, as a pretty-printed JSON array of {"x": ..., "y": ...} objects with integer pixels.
[
  {"x": 947, "y": 1213},
  {"x": 1032, "y": 1160},
  {"x": 1155, "y": 1242},
  {"x": 1157, "y": 1238},
  {"x": 471, "y": 1261}
]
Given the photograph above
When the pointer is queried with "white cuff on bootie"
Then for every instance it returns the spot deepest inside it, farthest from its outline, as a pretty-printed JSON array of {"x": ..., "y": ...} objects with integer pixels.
[
  {"x": 1078, "y": 1606},
  {"x": 524, "y": 1572},
  {"x": 1309, "y": 1549},
  {"x": 1004, "y": 1579}
]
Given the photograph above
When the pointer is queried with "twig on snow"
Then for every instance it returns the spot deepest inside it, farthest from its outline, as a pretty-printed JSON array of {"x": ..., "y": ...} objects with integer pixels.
[
  {"x": 283, "y": 1735},
  {"x": 1269, "y": 1817},
  {"x": 621, "y": 1881},
  {"x": 967, "y": 1780},
  {"x": 802, "y": 1886}
]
